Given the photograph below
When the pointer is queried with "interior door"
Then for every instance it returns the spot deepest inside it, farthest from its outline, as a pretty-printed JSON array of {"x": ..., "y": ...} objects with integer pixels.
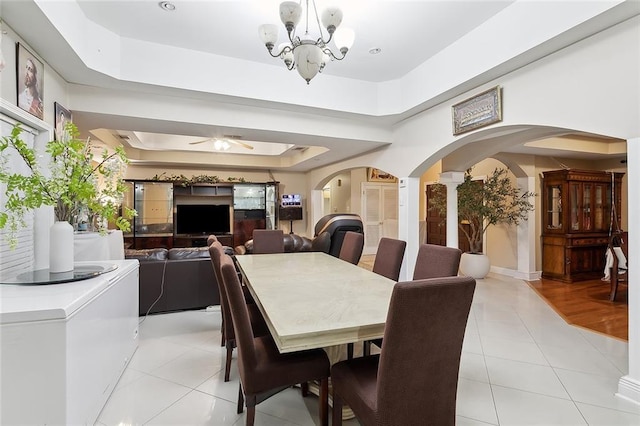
[
  {"x": 379, "y": 214},
  {"x": 437, "y": 227}
]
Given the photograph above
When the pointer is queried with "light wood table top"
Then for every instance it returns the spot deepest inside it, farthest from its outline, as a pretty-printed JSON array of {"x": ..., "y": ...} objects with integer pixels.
[{"x": 314, "y": 300}]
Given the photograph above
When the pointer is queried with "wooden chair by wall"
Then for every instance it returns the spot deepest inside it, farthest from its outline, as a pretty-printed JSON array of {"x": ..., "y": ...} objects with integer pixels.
[{"x": 618, "y": 272}]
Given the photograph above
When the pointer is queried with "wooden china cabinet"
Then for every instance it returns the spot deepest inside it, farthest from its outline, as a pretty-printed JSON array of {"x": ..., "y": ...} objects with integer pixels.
[{"x": 577, "y": 213}]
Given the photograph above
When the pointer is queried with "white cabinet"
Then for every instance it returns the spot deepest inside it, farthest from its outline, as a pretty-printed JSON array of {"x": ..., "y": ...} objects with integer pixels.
[{"x": 65, "y": 346}]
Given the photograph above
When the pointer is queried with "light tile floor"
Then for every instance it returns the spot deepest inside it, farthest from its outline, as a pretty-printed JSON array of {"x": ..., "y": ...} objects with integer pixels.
[{"x": 521, "y": 365}]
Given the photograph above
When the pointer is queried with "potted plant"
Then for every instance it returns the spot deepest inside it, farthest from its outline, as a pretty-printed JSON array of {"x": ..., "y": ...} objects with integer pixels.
[
  {"x": 76, "y": 181},
  {"x": 482, "y": 204}
]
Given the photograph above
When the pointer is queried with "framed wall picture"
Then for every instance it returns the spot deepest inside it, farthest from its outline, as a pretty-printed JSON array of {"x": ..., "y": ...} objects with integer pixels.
[
  {"x": 30, "y": 73},
  {"x": 377, "y": 175},
  {"x": 479, "y": 111},
  {"x": 62, "y": 117}
]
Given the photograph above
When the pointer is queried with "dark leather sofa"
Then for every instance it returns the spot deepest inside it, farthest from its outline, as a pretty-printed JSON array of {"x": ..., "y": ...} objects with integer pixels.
[{"x": 178, "y": 278}]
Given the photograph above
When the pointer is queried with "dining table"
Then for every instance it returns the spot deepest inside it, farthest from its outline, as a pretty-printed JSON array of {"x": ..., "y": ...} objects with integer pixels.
[{"x": 314, "y": 300}]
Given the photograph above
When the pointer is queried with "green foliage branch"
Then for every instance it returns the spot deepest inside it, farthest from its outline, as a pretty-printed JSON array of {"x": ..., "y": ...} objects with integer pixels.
[
  {"x": 497, "y": 201},
  {"x": 73, "y": 183}
]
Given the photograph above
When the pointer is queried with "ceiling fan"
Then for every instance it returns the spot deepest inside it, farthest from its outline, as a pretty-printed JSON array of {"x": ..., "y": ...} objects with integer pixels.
[{"x": 224, "y": 143}]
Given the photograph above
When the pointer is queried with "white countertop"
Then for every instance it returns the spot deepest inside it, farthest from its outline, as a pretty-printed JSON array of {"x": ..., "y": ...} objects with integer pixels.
[
  {"x": 22, "y": 303},
  {"x": 313, "y": 300}
]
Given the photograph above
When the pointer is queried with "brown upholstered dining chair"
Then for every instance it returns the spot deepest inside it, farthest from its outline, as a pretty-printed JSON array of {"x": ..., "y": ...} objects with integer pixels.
[
  {"x": 435, "y": 261},
  {"x": 268, "y": 241},
  {"x": 389, "y": 258},
  {"x": 414, "y": 380},
  {"x": 264, "y": 371},
  {"x": 387, "y": 263},
  {"x": 259, "y": 326},
  {"x": 352, "y": 246}
]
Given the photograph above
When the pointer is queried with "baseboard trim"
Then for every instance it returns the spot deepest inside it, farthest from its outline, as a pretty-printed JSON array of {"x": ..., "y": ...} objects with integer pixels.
[
  {"x": 629, "y": 389},
  {"x": 527, "y": 276}
]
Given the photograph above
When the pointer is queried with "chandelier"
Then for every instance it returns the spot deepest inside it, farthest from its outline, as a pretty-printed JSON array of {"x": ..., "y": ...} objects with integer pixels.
[{"x": 304, "y": 52}]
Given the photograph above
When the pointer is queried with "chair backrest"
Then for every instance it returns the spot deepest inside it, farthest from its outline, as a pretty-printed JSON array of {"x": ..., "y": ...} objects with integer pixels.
[
  {"x": 420, "y": 358},
  {"x": 268, "y": 241},
  {"x": 435, "y": 261},
  {"x": 216, "y": 251},
  {"x": 210, "y": 239},
  {"x": 241, "y": 321},
  {"x": 389, "y": 258},
  {"x": 337, "y": 225},
  {"x": 352, "y": 246}
]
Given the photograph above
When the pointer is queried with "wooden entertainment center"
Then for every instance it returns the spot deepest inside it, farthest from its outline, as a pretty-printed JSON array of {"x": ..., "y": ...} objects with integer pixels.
[{"x": 172, "y": 214}]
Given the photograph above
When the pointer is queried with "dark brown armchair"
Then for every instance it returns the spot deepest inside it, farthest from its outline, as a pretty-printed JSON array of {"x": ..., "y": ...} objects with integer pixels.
[
  {"x": 264, "y": 371},
  {"x": 414, "y": 380}
]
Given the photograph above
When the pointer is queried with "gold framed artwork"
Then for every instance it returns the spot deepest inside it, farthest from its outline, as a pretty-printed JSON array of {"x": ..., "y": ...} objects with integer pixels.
[
  {"x": 30, "y": 72},
  {"x": 479, "y": 111},
  {"x": 377, "y": 175}
]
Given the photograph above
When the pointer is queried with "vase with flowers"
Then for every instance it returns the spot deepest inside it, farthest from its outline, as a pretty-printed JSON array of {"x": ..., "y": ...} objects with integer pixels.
[{"x": 78, "y": 179}]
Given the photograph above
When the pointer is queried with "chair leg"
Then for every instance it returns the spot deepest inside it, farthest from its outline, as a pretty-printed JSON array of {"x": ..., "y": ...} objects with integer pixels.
[
  {"x": 227, "y": 366},
  {"x": 240, "y": 399},
  {"x": 366, "y": 348},
  {"x": 304, "y": 386},
  {"x": 614, "y": 289},
  {"x": 251, "y": 416},
  {"x": 349, "y": 350},
  {"x": 222, "y": 336},
  {"x": 324, "y": 402},
  {"x": 337, "y": 410},
  {"x": 251, "y": 410}
]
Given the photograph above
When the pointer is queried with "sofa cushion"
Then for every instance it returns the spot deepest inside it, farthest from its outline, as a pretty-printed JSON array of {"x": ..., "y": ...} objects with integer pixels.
[
  {"x": 189, "y": 253},
  {"x": 147, "y": 254}
]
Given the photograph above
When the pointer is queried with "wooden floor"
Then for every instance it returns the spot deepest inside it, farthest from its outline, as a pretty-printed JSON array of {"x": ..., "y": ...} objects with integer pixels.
[{"x": 586, "y": 304}]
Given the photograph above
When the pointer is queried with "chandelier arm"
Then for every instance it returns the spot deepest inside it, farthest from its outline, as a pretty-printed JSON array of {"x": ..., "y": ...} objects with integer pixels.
[
  {"x": 283, "y": 51},
  {"x": 328, "y": 51}
]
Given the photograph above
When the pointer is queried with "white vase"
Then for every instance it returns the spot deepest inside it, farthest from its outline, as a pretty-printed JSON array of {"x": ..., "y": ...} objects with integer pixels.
[
  {"x": 61, "y": 247},
  {"x": 475, "y": 265}
]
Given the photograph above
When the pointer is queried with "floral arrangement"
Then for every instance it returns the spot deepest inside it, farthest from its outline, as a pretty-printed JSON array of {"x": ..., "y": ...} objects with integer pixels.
[{"x": 76, "y": 183}]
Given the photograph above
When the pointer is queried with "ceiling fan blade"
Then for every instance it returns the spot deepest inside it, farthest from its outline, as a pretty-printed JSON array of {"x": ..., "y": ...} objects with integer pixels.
[
  {"x": 198, "y": 142},
  {"x": 245, "y": 145}
]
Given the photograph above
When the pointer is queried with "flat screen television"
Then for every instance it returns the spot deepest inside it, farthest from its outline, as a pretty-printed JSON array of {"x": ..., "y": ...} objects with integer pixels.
[
  {"x": 203, "y": 219},
  {"x": 291, "y": 200}
]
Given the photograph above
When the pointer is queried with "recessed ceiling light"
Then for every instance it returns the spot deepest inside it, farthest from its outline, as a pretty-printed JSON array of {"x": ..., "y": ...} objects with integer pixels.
[
  {"x": 167, "y": 5},
  {"x": 375, "y": 50}
]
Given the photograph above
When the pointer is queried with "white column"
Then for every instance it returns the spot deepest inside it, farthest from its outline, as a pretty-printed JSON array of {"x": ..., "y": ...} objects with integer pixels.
[
  {"x": 408, "y": 223},
  {"x": 314, "y": 210},
  {"x": 526, "y": 234},
  {"x": 629, "y": 385},
  {"x": 451, "y": 180}
]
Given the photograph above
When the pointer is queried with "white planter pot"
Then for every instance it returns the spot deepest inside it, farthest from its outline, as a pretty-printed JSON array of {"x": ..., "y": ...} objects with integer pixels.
[
  {"x": 61, "y": 247},
  {"x": 475, "y": 265}
]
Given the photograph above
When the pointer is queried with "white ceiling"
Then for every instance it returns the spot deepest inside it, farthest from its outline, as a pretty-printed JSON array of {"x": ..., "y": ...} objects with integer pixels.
[{"x": 408, "y": 33}]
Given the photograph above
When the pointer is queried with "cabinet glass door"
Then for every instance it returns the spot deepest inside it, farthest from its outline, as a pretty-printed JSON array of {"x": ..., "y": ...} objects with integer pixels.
[
  {"x": 249, "y": 197},
  {"x": 574, "y": 200},
  {"x": 586, "y": 207},
  {"x": 554, "y": 207}
]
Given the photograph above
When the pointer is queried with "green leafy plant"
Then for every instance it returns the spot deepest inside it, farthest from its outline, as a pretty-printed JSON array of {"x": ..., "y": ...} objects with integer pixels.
[
  {"x": 496, "y": 201},
  {"x": 75, "y": 182}
]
